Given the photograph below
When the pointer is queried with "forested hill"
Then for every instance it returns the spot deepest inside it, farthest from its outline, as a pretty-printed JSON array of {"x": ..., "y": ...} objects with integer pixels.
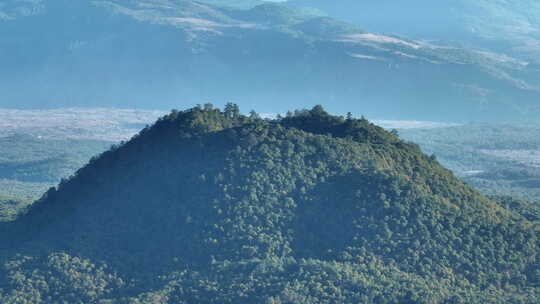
[{"x": 211, "y": 206}]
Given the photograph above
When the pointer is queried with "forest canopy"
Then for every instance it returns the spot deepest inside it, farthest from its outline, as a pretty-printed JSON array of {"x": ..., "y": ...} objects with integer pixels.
[{"x": 212, "y": 206}]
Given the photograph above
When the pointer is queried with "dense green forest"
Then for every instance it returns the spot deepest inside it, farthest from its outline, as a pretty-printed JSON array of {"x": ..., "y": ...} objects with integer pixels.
[{"x": 211, "y": 206}]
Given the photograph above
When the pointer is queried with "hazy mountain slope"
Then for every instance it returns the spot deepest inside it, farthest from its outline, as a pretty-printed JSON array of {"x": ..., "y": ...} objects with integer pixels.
[
  {"x": 151, "y": 54},
  {"x": 497, "y": 158},
  {"x": 11, "y": 207},
  {"x": 511, "y": 27},
  {"x": 30, "y": 165},
  {"x": 214, "y": 207},
  {"x": 30, "y": 159},
  {"x": 40, "y": 147}
]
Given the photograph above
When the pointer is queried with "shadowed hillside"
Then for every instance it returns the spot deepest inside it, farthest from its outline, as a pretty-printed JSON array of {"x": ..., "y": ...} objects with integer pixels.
[{"x": 210, "y": 206}]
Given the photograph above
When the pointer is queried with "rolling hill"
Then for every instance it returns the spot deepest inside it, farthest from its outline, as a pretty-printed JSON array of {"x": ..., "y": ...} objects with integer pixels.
[
  {"x": 153, "y": 53},
  {"x": 210, "y": 206}
]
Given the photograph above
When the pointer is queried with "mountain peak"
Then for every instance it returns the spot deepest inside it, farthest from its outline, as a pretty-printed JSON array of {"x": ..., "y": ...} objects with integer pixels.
[{"x": 204, "y": 190}]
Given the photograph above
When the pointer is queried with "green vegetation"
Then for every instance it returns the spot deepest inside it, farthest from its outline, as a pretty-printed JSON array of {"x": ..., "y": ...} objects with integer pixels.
[
  {"x": 11, "y": 207},
  {"x": 527, "y": 209},
  {"x": 497, "y": 158},
  {"x": 40, "y": 147},
  {"x": 26, "y": 158},
  {"x": 30, "y": 165},
  {"x": 23, "y": 190},
  {"x": 210, "y": 206},
  {"x": 518, "y": 182}
]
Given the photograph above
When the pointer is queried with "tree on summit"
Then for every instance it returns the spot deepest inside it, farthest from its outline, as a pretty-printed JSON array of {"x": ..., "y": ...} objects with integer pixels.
[
  {"x": 254, "y": 115},
  {"x": 318, "y": 110},
  {"x": 232, "y": 110}
]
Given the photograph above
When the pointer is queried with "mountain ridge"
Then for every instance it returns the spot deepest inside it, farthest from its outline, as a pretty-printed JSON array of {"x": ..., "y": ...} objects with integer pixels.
[
  {"x": 150, "y": 54},
  {"x": 510, "y": 27}
]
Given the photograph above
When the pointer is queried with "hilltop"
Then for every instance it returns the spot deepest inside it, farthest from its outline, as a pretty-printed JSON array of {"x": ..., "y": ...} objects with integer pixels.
[
  {"x": 152, "y": 53},
  {"x": 211, "y": 206}
]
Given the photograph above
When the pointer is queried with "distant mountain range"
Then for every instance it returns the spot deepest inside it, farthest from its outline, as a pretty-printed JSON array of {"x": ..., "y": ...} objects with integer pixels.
[
  {"x": 508, "y": 26},
  {"x": 162, "y": 54}
]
